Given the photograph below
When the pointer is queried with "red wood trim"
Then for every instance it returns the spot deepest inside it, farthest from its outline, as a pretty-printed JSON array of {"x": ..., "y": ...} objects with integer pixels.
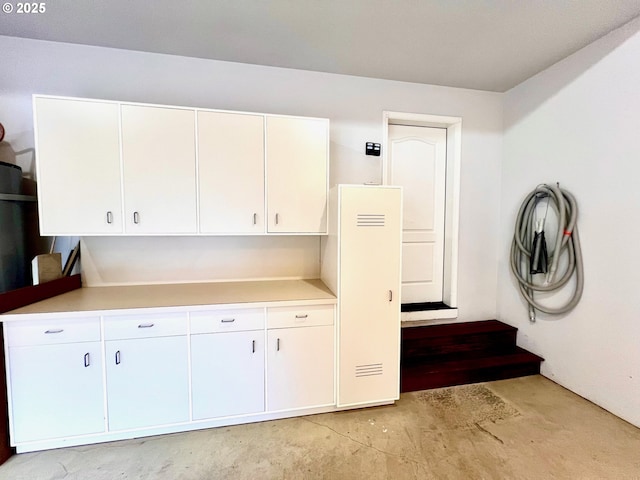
[
  {"x": 5, "y": 447},
  {"x": 21, "y": 297}
]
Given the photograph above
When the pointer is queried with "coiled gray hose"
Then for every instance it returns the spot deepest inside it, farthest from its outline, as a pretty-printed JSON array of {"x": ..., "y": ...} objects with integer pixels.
[{"x": 567, "y": 243}]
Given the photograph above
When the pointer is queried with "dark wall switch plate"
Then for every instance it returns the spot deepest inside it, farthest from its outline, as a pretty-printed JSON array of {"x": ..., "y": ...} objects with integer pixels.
[{"x": 373, "y": 149}]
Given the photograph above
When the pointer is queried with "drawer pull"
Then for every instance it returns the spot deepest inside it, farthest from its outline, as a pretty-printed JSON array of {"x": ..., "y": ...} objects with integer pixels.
[
  {"x": 55, "y": 330},
  {"x": 118, "y": 357},
  {"x": 146, "y": 325},
  {"x": 87, "y": 359},
  {"x": 253, "y": 346},
  {"x": 302, "y": 316},
  {"x": 228, "y": 320}
]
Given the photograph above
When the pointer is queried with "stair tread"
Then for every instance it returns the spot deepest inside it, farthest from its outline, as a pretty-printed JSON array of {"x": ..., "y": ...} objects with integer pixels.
[
  {"x": 482, "y": 361},
  {"x": 455, "y": 329}
]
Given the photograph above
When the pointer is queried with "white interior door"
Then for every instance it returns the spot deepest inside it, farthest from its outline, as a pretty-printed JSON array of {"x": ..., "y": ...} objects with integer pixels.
[{"x": 417, "y": 162}]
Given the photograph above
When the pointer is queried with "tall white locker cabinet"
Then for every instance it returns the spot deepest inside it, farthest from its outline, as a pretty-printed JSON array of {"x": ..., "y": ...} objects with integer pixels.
[{"x": 368, "y": 247}]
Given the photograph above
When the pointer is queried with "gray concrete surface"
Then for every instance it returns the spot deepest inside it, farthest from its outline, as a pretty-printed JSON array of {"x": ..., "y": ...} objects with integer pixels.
[{"x": 526, "y": 428}]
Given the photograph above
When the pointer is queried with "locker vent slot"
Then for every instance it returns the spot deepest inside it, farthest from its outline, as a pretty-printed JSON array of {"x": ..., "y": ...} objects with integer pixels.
[
  {"x": 370, "y": 220},
  {"x": 368, "y": 370}
]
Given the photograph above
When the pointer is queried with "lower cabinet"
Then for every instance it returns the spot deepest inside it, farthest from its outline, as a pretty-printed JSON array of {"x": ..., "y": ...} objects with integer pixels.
[
  {"x": 122, "y": 375},
  {"x": 227, "y": 374},
  {"x": 56, "y": 390},
  {"x": 147, "y": 382},
  {"x": 300, "y": 367}
]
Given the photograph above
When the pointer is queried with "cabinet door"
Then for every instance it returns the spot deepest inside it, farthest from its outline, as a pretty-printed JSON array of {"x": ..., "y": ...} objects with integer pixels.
[
  {"x": 297, "y": 162},
  {"x": 147, "y": 382},
  {"x": 159, "y": 162},
  {"x": 227, "y": 374},
  {"x": 231, "y": 172},
  {"x": 56, "y": 391},
  {"x": 300, "y": 364},
  {"x": 369, "y": 333},
  {"x": 78, "y": 156}
]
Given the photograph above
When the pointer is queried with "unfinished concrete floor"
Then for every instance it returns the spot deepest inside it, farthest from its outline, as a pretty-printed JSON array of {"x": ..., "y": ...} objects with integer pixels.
[{"x": 526, "y": 428}]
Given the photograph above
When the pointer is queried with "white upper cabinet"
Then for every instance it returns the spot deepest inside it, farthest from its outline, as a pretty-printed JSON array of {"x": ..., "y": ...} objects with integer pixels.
[
  {"x": 159, "y": 161},
  {"x": 108, "y": 168},
  {"x": 78, "y": 166},
  {"x": 231, "y": 172},
  {"x": 297, "y": 165}
]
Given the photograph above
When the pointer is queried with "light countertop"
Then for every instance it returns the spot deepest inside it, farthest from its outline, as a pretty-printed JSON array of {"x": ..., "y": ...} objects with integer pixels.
[{"x": 89, "y": 299}]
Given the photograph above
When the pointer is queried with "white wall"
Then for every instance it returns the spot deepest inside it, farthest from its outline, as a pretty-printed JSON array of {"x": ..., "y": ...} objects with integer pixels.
[
  {"x": 353, "y": 104},
  {"x": 579, "y": 123},
  {"x": 144, "y": 260}
]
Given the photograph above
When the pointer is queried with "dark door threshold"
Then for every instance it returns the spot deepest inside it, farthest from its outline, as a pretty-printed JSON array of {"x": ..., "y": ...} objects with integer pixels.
[{"x": 420, "y": 307}]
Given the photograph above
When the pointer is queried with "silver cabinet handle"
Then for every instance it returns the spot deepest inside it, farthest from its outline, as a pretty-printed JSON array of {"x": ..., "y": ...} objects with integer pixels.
[
  {"x": 228, "y": 320},
  {"x": 54, "y": 330},
  {"x": 278, "y": 345},
  {"x": 136, "y": 217},
  {"x": 390, "y": 295},
  {"x": 302, "y": 316},
  {"x": 253, "y": 346},
  {"x": 146, "y": 325},
  {"x": 118, "y": 357},
  {"x": 255, "y": 218},
  {"x": 277, "y": 218},
  {"x": 87, "y": 360},
  {"x": 109, "y": 217}
]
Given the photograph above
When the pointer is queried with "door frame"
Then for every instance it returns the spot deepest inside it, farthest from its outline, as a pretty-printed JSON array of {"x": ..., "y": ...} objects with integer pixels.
[{"x": 453, "y": 125}]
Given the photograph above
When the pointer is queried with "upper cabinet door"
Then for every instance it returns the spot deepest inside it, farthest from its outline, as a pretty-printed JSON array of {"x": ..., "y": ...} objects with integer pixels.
[
  {"x": 297, "y": 165},
  {"x": 159, "y": 163},
  {"x": 78, "y": 167},
  {"x": 231, "y": 172}
]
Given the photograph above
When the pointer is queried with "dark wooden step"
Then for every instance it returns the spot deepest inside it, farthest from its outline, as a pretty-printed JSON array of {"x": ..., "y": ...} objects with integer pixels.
[
  {"x": 424, "y": 306},
  {"x": 469, "y": 370},
  {"x": 457, "y": 341}
]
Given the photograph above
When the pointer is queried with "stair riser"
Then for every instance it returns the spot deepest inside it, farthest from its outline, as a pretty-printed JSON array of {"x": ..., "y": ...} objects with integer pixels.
[
  {"x": 410, "y": 382},
  {"x": 458, "y": 346}
]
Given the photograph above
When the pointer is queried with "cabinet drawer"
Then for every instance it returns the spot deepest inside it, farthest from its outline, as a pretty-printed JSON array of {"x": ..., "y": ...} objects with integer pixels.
[
  {"x": 52, "y": 331},
  {"x": 145, "y": 326},
  {"x": 227, "y": 320},
  {"x": 304, "y": 316}
]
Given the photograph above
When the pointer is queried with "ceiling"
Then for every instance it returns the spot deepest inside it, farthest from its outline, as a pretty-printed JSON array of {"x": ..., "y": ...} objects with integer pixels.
[{"x": 480, "y": 44}]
